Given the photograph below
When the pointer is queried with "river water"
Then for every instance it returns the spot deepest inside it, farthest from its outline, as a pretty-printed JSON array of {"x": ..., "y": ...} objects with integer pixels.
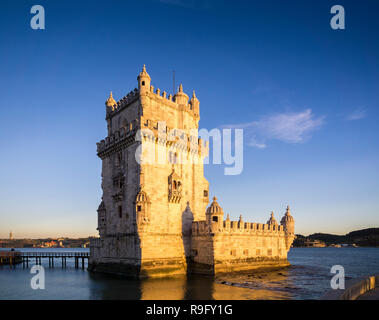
[{"x": 308, "y": 277}]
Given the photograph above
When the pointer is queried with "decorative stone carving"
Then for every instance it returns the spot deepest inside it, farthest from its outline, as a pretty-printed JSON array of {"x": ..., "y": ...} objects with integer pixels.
[
  {"x": 142, "y": 207},
  {"x": 174, "y": 188}
]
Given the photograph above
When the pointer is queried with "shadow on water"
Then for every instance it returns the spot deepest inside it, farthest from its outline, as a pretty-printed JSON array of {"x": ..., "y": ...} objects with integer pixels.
[
  {"x": 104, "y": 286},
  {"x": 179, "y": 288}
]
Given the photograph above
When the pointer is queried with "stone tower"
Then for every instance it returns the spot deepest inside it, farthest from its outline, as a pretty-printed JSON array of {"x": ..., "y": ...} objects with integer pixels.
[
  {"x": 150, "y": 195},
  {"x": 153, "y": 219}
]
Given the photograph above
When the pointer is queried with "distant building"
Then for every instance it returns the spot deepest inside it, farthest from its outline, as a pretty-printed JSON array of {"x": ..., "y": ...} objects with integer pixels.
[
  {"x": 10, "y": 235},
  {"x": 315, "y": 243},
  {"x": 153, "y": 219}
]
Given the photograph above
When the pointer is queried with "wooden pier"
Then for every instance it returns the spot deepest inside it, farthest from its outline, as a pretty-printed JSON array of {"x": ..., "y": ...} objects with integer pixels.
[
  {"x": 16, "y": 257},
  {"x": 10, "y": 257}
]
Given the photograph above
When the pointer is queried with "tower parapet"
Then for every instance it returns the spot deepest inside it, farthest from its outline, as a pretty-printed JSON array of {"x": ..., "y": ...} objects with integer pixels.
[{"x": 180, "y": 101}]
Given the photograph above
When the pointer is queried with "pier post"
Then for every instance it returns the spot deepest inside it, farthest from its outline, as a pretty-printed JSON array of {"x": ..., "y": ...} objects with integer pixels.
[{"x": 82, "y": 263}]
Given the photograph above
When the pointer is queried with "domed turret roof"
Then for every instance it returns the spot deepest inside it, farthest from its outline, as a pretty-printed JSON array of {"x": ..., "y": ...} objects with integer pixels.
[
  {"x": 142, "y": 197},
  {"x": 110, "y": 101},
  {"x": 143, "y": 73},
  {"x": 215, "y": 208},
  {"x": 272, "y": 219},
  {"x": 287, "y": 216},
  {"x": 181, "y": 92}
]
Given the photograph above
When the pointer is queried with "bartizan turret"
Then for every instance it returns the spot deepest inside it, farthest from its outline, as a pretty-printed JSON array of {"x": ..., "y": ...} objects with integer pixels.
[
  {"x": 180, "y": 97},
  {"x": 111, "y": 102},
  {"x": 195, "y": 105},
  {"x": 214, "y": 216},
  {"x": 143, "y": 81},
  {"x": 288, "y": 223},
  {"x": 272, "y": 221}
]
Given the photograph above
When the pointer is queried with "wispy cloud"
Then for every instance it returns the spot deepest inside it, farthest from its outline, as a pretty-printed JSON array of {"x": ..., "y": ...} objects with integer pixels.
[
  {"x": 294, "y": 127},
  {"x": 356, "y": 115}
]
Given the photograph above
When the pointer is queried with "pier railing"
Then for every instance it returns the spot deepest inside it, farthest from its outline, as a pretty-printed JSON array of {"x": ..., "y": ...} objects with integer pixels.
[
  {"x": 16, "y": 257},
  {"x": 55, "y": 254}
]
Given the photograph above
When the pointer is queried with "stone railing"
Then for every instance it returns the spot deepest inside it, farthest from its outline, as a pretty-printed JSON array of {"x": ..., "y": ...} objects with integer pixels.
[
  {"x": 117, "y": 136},
  {"x": 134, "y": 95},
  {"x": 354, "y": 289}
]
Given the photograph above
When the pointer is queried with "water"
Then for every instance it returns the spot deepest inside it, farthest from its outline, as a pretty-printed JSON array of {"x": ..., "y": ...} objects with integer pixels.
[{"x": 307, "y": 278}]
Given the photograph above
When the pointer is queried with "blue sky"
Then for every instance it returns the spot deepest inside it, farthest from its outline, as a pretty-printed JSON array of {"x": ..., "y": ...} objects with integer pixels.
[{"x": 258, "y": 65}]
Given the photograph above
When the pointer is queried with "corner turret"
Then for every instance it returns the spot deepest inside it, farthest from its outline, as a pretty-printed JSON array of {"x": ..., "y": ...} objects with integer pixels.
[
  {"x": 144, "y": 81},
  {"x": 272, "y": 220},
  {"x": 214, "y": 213},
  {"x": 111, "y": 102},
  {"x": 180, "y": 97},
  {"x": 288, "y": 222},
  {"x": 195, "y": 104}
]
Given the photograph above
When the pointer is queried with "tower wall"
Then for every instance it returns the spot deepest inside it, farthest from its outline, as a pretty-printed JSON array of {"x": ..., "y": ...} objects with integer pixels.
[{"x": 234, "y": 246}]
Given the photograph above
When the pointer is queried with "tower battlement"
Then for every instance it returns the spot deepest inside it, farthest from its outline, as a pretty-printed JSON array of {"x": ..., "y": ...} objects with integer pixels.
[
  {"x": 227, "y": 226},
  {"x": 179, "y": 101}
]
